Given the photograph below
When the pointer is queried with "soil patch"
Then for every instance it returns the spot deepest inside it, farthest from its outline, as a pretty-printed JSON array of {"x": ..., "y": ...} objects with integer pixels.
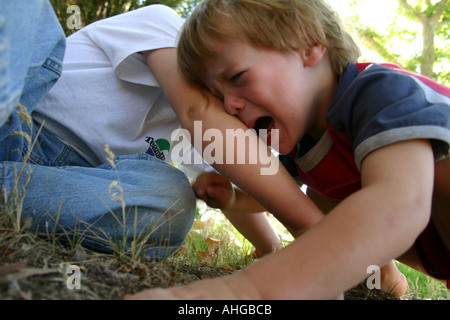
[{"x": 33, "y": 268}]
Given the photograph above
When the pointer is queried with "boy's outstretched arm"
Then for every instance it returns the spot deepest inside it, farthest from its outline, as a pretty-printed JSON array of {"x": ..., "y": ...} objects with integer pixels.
[
  {"x": 191, "y": 103},
  {"x": 374, "y": 225}
]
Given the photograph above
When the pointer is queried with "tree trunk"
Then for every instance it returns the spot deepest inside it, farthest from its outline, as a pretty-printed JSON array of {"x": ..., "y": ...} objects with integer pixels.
[{"x": 428, "y": 54}]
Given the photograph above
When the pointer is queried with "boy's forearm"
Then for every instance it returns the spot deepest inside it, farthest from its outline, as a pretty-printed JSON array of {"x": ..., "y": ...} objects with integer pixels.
[
  {"x": 243, "y": 203},
  {"x": 332, "y": 256},
  {"x": 317, "y": 265},
  {"x": 256, "y": 228},
  {"x": 329, "y": 258}
]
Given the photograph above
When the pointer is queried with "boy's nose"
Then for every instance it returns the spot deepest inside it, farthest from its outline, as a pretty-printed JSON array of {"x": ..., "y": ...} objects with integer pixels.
[{"x": 233, "y": 104}]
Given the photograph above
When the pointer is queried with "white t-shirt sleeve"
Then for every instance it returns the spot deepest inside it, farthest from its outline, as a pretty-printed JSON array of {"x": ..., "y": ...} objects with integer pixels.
[{"x": 122, "y": 37}]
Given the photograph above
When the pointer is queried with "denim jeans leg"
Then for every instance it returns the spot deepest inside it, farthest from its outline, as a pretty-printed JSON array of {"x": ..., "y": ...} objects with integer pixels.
[
  {"x": 108, "y": 207},
  {"x": 32, "y": 45}
]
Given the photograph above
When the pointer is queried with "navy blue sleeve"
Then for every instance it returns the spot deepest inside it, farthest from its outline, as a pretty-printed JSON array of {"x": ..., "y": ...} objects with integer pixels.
[{"x": 380, "y": 106}]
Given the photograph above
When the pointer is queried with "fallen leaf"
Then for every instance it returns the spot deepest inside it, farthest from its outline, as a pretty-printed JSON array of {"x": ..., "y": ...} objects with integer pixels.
[
  {"x": 200, "y": 224},
  {"x": 229, "y": 268},
  {"x": 182, "y": 249},
  {"x": 213, "y": 245},
  {"x": 202, "y": 254},
  {"x": 212, "y": 241}
]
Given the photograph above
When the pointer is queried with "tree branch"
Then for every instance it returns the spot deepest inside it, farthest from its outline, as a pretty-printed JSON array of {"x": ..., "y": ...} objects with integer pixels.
[
  {"x": 437, "y": 15},
  {"x": 410, "y": 9}
]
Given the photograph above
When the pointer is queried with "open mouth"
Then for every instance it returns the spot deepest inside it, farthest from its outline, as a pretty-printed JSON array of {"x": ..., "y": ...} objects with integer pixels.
[
  {"x": 263, "y": 127},
  {"x": 263, "y": 123}
]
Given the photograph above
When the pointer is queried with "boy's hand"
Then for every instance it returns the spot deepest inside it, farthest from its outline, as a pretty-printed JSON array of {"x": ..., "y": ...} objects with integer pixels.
[
  {"x": 215, "y": 190},
  {"x": 234, "y": 287}
]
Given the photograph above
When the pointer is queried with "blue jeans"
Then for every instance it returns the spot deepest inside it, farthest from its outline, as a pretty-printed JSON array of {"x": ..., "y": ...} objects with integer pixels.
[{"x": 139, "y": 197}]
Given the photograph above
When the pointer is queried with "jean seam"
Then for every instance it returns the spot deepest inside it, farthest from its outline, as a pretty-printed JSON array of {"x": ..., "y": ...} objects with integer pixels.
[
  {"x": 49, "y": 64},
  {"x": 53, "y": 65},
  {"x": 62, "y": 156}
]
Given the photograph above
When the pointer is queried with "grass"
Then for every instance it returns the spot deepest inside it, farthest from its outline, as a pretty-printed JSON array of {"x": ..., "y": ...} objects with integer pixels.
[
  {"x": 423, "y": 287},
  {"x": 213, "y": 240}
]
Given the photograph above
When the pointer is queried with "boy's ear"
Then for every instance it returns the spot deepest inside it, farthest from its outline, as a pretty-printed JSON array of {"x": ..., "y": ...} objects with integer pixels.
[{"x": 313, "y": 56}]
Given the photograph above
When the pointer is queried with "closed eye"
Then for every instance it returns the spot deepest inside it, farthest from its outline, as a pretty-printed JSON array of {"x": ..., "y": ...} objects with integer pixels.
[{"x": 236, "y": 76}]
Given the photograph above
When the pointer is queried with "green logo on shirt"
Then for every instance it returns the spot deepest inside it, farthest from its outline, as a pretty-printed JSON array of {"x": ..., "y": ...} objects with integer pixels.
[{"x": 157, "y": 147}]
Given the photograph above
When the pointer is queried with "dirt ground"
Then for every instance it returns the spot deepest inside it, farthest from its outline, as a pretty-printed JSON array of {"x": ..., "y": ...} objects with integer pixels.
[{"x": 32, "y": 268}]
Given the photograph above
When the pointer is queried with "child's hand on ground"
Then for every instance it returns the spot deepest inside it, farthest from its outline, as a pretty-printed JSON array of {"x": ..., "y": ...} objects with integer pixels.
[
  {"x": 215, "y": 190},
  {"x": 225, "y": 288}
]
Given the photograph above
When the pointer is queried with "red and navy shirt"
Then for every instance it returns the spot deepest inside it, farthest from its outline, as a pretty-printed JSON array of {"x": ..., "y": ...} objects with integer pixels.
[{"x": 373, "y": 106}]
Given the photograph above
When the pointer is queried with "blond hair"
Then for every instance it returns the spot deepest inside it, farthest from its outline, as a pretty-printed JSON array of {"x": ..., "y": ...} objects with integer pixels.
[{"x": 285, "y": 25}]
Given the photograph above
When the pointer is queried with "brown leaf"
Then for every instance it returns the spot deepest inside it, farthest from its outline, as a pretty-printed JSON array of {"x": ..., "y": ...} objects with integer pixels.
[
  {"x": 229, "y": 268},
  {"x": 212, "y": 241},
  {"x": 202, "y": 254},
  {"x": 199, "y": 224}
]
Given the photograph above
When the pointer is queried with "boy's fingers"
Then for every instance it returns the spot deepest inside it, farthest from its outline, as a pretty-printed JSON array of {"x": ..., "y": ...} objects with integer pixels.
[{"x": 220, "y": 197}]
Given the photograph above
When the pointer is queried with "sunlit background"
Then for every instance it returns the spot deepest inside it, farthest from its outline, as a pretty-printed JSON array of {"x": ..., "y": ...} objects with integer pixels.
[{"x": 402, "y": 35}]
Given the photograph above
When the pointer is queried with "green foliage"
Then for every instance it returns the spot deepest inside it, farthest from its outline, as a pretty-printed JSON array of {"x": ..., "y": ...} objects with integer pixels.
[
  {"x": 186, "y": 7},
  {"x": 432, "y": 26}
]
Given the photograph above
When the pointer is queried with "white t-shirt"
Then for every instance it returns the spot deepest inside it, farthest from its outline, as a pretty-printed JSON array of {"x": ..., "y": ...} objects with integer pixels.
[{"x": 107, "y": 94}]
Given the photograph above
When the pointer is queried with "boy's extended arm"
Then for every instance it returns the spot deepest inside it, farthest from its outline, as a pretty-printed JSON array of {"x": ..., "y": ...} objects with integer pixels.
[
  {"x": 194, "y": 103},
  {"x": 256, "y": 228},
  {"x": 374, "y": 225}
]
